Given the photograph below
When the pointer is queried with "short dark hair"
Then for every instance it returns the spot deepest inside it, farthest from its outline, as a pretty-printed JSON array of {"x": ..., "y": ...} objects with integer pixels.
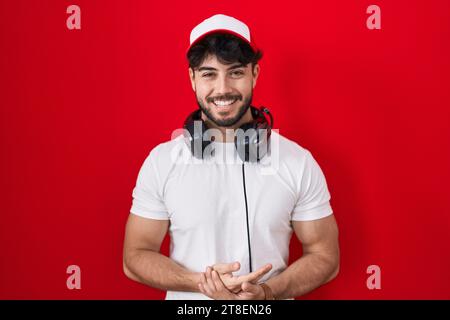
[{"x": 226, "y": 47}]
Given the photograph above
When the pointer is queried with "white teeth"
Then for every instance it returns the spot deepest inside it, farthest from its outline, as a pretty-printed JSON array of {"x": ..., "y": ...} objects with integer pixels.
[{"x": 223, "y": 103}]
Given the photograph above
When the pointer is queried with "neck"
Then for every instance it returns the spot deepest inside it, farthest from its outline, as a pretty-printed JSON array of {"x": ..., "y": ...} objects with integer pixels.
[{"x": 227, "y": 133}]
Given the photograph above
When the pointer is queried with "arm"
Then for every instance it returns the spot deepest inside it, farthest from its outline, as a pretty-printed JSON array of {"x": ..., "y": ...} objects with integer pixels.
[
  {"x": 319, "y": 263},
  {"x": 143, "y": 262}
]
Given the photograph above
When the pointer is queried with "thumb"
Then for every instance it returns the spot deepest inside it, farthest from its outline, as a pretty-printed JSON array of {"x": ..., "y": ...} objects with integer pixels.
[{"x": 250, "y": 287}]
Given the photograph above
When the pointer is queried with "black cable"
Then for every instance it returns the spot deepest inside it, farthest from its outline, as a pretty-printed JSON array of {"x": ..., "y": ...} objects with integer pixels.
[{"x": 246, "y": 215}]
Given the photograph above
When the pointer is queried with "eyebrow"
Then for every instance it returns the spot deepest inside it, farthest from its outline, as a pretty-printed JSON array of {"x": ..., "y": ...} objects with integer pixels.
[{"x": 235, "y": 66}]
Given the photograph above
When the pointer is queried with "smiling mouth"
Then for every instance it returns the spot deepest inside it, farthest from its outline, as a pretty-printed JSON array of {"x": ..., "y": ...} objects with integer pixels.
[{"x": 224, "y": 102}]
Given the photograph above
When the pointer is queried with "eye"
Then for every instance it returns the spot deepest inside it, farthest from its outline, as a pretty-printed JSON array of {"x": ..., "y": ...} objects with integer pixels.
[
  {"x": 237, "y": 73},
  {"x": 207, "y": 74}
]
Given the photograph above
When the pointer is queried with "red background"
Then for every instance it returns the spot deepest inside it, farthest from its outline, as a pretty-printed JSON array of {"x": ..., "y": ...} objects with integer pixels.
[{"x": 81, "y": 109}]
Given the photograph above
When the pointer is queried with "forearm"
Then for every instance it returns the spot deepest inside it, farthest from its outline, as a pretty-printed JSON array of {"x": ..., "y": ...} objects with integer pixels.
[
  {"x": 304, "y": 275},
  {"x": 158, "y": 271}
]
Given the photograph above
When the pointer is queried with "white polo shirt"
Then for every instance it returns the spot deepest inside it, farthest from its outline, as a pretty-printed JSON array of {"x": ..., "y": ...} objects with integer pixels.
[{"x": 204, "y": 201}]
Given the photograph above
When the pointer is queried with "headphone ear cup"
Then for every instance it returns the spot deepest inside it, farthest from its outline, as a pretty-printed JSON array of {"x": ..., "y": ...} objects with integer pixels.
[
  {"x": 252, "y": 143},
  {"x": 242, "y": 141},
  {"x": 195, "y": 128},
  {"x": 263, "y": 140}
]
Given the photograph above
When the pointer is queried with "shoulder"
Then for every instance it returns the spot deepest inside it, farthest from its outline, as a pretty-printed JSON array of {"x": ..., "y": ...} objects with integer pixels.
[
  {"x": 164, "y": 150},
  {"x": 166, "y": 154},
  {"x": 290, "y": 152}
]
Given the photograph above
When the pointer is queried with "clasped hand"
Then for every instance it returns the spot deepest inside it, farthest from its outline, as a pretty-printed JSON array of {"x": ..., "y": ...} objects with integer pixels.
[{"x": 218, "y": 282}]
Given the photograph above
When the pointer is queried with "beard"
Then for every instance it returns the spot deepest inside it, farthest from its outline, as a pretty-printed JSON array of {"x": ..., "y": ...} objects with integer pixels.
[{"x": 229, "y": 121}]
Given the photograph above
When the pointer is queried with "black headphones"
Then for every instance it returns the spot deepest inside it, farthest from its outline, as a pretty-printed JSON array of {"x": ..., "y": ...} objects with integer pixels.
[{"x": 251, "y": 143}]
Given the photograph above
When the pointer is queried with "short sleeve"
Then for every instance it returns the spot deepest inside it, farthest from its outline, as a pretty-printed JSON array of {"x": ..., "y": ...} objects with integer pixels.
[
  {"x": 148, "y": 194},
  {"x": 313, "y": 197}
]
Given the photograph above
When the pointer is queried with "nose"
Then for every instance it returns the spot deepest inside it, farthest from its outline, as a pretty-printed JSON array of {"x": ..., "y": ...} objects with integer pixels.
[{"x": 222, "y": 86}]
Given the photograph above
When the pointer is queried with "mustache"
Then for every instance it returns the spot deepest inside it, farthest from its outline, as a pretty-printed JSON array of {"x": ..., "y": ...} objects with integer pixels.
[{"x": 225, "y": 97}]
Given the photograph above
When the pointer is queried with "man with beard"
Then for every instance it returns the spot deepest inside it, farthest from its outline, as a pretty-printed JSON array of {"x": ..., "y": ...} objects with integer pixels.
[{"x": 230, "y": 224}]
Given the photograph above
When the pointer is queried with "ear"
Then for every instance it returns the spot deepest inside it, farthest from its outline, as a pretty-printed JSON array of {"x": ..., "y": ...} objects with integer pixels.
[
  {"x": 255, "y": 74},
  {"x": 191, "y": 77}
]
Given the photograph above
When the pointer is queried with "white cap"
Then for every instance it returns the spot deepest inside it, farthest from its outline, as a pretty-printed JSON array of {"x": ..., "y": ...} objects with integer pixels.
[{"x": 221, "y": 23}]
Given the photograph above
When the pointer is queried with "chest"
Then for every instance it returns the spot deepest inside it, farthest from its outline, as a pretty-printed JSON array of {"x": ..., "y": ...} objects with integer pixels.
[{"x": 212, "y": 196}]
